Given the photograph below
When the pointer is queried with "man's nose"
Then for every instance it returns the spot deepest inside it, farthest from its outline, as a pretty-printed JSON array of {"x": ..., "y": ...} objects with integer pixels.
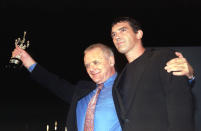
[
  {"x": 92, "y": 67},
  {"x": 117, "y": 37}
]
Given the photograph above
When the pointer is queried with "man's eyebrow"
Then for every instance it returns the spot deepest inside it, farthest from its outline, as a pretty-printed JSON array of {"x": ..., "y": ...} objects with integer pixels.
[
  {"x": 122, "y": 28},
  {"x": 119, "y": 29}
]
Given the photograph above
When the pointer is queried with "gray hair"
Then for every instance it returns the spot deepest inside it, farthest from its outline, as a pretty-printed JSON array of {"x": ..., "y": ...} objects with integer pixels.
[{"x": 107, "y": 51}]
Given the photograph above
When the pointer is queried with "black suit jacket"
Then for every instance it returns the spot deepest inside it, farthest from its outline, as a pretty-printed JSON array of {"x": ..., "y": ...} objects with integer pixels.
[
  {"x": 66, "y": 91},
  {"x": 147, "y": 98}
]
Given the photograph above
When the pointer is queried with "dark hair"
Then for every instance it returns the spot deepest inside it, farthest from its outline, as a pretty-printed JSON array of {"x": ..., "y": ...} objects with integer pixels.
[{"x": 132, "y": 22}]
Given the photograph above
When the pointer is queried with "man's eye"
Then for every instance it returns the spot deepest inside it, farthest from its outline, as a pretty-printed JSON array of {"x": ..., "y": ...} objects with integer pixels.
[
  {"x": 113, "y": 35},
  {"x": 96, "y": 62},
  {"x": 87, "y": 66}
]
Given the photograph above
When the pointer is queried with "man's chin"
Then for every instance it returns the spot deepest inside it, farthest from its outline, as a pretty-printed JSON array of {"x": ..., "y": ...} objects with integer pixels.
[
  {"x": 96, "y": 81},
  {"x": 121, "y": 51}
]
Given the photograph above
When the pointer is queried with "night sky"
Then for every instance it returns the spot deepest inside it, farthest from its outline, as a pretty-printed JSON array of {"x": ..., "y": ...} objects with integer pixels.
[{"x": 60, "y": 31}]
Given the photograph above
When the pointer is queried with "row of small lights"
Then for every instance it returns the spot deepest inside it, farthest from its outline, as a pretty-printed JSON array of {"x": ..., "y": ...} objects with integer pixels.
[{"x": 55, "y": 126}]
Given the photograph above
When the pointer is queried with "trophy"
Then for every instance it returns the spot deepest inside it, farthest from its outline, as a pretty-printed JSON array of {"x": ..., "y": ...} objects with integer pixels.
[{"x": 21, "y": 43}]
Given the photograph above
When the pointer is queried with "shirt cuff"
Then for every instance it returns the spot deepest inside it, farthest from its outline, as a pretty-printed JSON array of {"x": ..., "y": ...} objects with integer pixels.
[
  {"x": 31, "y": 68},
  {"x": 191, "y": 80}
]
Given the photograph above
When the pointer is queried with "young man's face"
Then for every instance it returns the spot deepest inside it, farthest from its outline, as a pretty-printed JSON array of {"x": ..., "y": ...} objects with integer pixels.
[
  {"x": 123, "y": 37},
  {"x": 98, "y": 66}
]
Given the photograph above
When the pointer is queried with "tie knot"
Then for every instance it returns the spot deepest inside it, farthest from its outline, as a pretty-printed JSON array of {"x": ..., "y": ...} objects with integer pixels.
[{"x": 100, "y": 86}]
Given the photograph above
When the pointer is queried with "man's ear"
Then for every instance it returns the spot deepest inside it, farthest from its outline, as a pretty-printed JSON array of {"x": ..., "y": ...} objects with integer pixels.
[
  {"x": 139, "y": 34},
  {"x": 111, "y": 60}
]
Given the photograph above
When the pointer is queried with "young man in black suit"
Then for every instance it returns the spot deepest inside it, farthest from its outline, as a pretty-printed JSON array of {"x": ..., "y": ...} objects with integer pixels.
[{"x": 150, "y": 99}]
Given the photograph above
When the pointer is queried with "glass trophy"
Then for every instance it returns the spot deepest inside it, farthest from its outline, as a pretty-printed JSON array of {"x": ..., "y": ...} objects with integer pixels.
[{"x": 23, "y": 44}]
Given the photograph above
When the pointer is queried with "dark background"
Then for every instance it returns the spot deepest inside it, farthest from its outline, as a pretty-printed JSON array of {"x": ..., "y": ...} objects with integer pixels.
[{"x": 60, "y": 30}]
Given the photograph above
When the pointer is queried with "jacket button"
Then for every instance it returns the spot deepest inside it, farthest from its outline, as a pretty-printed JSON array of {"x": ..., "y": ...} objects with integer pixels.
[{"x": 126, "y": 120}]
